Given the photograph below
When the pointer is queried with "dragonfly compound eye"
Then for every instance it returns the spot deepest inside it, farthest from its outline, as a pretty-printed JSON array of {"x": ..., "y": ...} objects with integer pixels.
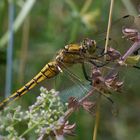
[{"x": 89, "y": 45}]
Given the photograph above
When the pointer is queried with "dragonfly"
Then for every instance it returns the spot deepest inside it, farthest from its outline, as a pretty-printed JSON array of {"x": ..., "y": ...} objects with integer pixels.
[
  {"x": 71, "y": 54},
  {"x": 86, "y": 51}
]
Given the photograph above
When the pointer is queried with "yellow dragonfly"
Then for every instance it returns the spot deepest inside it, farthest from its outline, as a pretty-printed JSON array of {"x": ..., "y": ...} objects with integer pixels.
[{"x": 71, "y": 54}]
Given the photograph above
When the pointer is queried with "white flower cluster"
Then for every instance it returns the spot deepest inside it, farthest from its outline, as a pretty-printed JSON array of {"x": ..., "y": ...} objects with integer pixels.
[
  {"x": 9, "y": 118},
  {"x": 43, "y": 117},
  {"x": 46, "y": 111}
]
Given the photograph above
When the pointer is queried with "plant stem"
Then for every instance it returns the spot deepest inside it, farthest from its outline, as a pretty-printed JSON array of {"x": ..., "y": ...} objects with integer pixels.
[
  {"x": 109, "y": 25},
  {"x": 106, "y": 45},
  {"x": 97, "y": 118},
  {"x": 72, "y": 109},
  {"x": 27, "y": 131}
]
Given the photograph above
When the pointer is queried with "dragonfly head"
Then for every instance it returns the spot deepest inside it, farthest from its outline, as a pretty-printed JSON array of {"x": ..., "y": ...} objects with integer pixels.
[{"x": 89, "y": 45}]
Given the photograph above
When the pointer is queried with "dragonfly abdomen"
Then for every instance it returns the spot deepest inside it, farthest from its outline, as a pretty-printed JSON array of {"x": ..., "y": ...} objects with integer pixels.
[{"x": 49, "y": 71}]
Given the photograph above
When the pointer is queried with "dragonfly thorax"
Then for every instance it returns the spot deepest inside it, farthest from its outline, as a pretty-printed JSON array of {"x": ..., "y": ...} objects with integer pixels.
[{"x": 76, "y": 53}]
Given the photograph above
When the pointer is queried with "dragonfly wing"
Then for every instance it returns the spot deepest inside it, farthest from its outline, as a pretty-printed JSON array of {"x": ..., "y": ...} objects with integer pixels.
[
  {"x": 77, "y": 91},
  {"x": 128, "y": 21},
  {"x": 75, "y": 84}
]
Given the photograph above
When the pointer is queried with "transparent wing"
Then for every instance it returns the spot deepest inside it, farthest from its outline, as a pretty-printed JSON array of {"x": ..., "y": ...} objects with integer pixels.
[
  {"x": 76, "y": 91},
  {"x": 115, "y": 38},
  {"x": 77, "y": 87}
]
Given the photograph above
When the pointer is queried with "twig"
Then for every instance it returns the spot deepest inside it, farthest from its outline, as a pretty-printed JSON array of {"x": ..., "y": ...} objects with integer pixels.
[
  {"x": 72, "y": 109},
  {"x": 97, "y": 118},
  {"x": 109, "y": 25},
  {"x": 123, "y": 58},
  {"x": 134, "y": 47},
  {"x": 106, "y": 45}
]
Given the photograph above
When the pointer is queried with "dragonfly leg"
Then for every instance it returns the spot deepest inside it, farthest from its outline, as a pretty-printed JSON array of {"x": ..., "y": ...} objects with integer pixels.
[
  {"x": 97, "y": 65},
  {"x": 136, "y": 52},
  {"x": 108, "y": 98},
  {"x": 102, "y": 53},
  {"x": 137, "y": 67},
  {"x": 87, "y": 77}
]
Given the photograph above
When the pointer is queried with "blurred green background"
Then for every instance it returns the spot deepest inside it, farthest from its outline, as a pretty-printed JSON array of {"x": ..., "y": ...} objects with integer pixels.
[{"x": 48, "y": 27}]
